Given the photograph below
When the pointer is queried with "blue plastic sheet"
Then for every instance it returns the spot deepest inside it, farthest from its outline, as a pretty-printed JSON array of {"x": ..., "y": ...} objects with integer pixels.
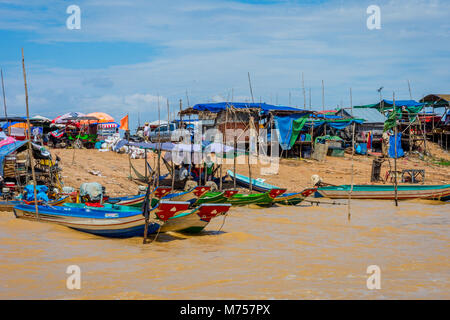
[
  {"x": 284, "y": 131},
  {"x": 400, "y": 152},
  {"x": 41, "y": 193},
  {"x": 221, "y": 106}
]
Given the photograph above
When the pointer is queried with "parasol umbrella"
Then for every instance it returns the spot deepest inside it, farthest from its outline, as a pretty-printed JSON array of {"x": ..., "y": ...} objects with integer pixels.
[
  {"x": 101, "y": 116},
  {"x": 64, "y": 117},
  {"x": 39, "y": 118}
]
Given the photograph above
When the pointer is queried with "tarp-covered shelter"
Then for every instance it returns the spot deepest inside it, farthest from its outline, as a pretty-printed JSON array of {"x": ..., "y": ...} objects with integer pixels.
[
  {"x": 238, "y": 115},
  {"x": 7, "y": 149},
  {"x": 437, "y": 117}
]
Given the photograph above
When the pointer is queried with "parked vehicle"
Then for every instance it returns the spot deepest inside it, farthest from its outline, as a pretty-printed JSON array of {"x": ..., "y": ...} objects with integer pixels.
[{"x": 171, "y": 132}]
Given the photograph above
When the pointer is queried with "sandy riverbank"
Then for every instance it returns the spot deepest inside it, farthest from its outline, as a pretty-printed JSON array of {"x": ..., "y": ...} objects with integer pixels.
[{"x": 294, "y": 174}]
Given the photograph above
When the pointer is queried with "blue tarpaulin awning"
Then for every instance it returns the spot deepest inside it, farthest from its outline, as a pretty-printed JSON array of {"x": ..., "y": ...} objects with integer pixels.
[
  {"x": 264, "y": 107},
  {"x": 8, "y": 149}
]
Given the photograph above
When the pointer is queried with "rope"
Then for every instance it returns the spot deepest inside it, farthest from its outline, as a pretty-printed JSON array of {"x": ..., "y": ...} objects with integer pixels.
[
  {"x": 139, "y": 176},
  {"x": 223, "y": 222},
  {"x": 332, "y": 203},
  {"x": 156, "y": 237}
]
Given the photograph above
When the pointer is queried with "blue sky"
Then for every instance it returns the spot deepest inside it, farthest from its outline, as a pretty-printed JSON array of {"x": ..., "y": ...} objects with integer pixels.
[{"x": 128, "y": 53}]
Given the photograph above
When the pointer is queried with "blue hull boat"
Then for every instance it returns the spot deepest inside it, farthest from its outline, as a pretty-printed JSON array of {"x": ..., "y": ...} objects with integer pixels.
[{"x": 114, "y": 223}]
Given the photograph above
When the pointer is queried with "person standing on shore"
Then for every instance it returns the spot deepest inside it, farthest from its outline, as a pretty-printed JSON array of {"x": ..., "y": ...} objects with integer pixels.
[{"x": 146, "y": 131}]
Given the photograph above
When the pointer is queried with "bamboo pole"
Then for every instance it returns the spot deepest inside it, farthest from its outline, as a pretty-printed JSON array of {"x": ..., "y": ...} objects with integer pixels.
[
  {"x": 187, "y": 98},
  {"x": 223, "y": 143},
  {"x": 147, "y": 207},
  {"x": 4, "y": 97},
  {"x": 30, "y": 152},
  {"x": 353, "y": 153},
  {"x": 323, "y": 96},
  {"x": 172, "y": 169},
  {"x": 158, "y": 171},
  {"x": 127, "y": 132},
  {"x": 409, "y": 88},
  {"x": 145, "y": 164},
  {"x": 351, "y": 101},
  {"x": 395, "y": 157},
  {"x": 310, "y": 105},
  {"x": 234, "y": 151},
  {"x": 181, "y": 117},
  {"x": 248, "y": 157},
  {"x": 304, "y": 92},
  {"x": 251, "y": 90}
]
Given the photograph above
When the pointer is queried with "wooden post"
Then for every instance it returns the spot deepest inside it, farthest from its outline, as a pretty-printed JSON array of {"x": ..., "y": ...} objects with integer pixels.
[
  {"x": 147, "y": 208},
  {"x": 395, "y": 157},
  {"x": 4, "y": 97},
  {"x": 145, "y": 164},
  {"x": 30, "y": 152},
  {"x": 173, "y": 173},
  {"x": 205, "y": 167}
]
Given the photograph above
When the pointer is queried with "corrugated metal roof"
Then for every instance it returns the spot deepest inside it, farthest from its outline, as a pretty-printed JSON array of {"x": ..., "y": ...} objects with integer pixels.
[
  {"x": 436, "y": 97},
  {"x": 369, "y": 115}
]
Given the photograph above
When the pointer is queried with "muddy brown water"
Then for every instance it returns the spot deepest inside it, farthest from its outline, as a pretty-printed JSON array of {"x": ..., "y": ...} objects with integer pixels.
[{"x": 298, "y": 252}]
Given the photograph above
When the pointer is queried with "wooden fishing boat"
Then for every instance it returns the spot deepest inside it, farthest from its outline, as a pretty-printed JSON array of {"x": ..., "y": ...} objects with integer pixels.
[
  {"x": 137, "y": 200},
  {"x": 386, "y": 192},
  {"x": 196, "y": 220},
  {"x": 265, "y": 199},
  {"x": 10, "y": 204},
  {"x": 190, "y": 196},
  {"x": 113, "y": 223},
  {"x": 292, "y": 199},
  {"x": 194, "y": 193},
  {"x": 215, "y": 197},
  {"x": 257, "y": 184},
  {"x": 190, "y": 221}
]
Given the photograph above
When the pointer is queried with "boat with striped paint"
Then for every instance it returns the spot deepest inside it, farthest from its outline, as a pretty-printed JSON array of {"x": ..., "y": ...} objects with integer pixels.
[
  {"x": 196, "y": 220},
  {"x": 265, "y": 199},
  {"x": 190, "y": 196},
  {"x": 292, "y": 199},
  {"x": 190, "y": 221},
  {"x": 215, "y": 197},
  {"x": 257, "y": 184},
  {"x": 137, "y": 200},
  {"x": 386, "y": 192},
  {"x": 106, "y": 223}
]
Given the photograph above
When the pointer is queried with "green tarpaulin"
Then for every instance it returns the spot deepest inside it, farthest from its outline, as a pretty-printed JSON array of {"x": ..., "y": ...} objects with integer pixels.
[{"x": 297, "y": 126}]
